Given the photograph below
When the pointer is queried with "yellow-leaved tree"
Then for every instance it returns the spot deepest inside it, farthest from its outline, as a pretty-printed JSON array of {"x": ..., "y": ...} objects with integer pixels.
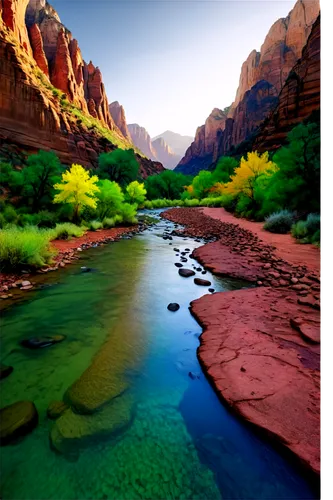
[
  {"x": 78, "y": 188},
  {"x": 249, "y": 170}
]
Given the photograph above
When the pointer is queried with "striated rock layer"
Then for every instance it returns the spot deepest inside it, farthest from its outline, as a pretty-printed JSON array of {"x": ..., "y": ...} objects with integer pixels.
[
  {"x": 32, "y": 73},
  {"x": 262, "y": 78},
  {"x": 118, "y": 115},
  {"x": 299, "y": 97},
  {"x": 142, "y": 140}
]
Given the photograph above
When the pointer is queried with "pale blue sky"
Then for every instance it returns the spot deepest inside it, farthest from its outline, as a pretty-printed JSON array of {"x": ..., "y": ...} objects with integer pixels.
[{"x": 170, "y": 62}]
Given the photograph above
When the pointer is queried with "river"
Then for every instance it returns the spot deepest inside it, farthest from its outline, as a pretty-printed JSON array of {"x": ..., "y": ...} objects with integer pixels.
[{"x": 180, "y": 441}]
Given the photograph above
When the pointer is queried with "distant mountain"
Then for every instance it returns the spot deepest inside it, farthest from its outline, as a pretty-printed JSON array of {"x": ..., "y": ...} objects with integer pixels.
[
  {"x": 165, "y": 154},
  {"x": 118, "y": 114},
  {"x": 158, "y": 149},
  {"x": 178, "y": 143},
  {"x": 142, "y": 140}
]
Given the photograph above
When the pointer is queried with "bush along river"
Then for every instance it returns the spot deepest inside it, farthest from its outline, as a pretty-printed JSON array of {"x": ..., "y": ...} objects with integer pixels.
[{"x": 132, "y": 414}]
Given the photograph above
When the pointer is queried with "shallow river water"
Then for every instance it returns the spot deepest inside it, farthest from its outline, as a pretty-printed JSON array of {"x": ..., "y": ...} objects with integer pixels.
[{"x": 182, "y": 442}]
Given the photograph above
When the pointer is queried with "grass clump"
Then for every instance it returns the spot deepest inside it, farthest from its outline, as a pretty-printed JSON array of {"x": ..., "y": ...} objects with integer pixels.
[
  {"x": 94, "y": 225},
  {"x": 279, "y": 222},
  {"x": 27, "y": 246},
  {"x": 307, "y": 231},
  {"x": 66, "y": 230}
]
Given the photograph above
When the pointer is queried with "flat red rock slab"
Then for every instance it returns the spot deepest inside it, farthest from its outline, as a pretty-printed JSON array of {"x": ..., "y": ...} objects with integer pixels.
[
  {"x": 219, "y": 259},
  {"x": 262, "y": 367}
]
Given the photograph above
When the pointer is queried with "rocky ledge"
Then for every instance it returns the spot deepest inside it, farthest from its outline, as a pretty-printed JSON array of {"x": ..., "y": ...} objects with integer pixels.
[{"x": 260, "y": 346}]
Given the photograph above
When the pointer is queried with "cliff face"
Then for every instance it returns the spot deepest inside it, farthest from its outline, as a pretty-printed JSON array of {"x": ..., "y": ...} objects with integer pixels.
[
  {"x": 299, "y": 97},
  {"x": 34, "y": 59},
  {"x": 142, "y": 140},
  {"x": 165, "y": 154},
  {"x": 204, "y": 146},
  {"x": 262, "y": 77},
  {"x": 118, "y": 115}
]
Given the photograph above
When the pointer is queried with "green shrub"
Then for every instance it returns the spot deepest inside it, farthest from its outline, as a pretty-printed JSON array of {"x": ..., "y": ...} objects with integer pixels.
[
  {"x": 109, "y": 222},
  {"x": 279, "y": 222},
  {"x": 27, "y": 246},
  {"x": 66, "y": 230},
  {"x": 3, "y": 221},
  {"x": 118, "y": 219},
  {"x": 10, "y": 214},
  {"x": 128, "y": 213},
  {"x": 95, "y": 224},
  {"x": 191, "y": 203},
  {"x": 307, "y": 231}
]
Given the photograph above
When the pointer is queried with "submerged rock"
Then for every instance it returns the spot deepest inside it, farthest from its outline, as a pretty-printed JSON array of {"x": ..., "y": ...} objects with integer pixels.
[
  {"x": 201, "y": 282},
  {"x": 178, "y": 264},
  {"x": 5, "y": 371},
  {"x": 56, "y": 409},
  {"x": 173, "y": 307},
  {"x": 186, "y": 273},
  {"x": 72, "y": 432},
  {"x": 16, "y": 421},
  {"x": 40, "y": 342}
]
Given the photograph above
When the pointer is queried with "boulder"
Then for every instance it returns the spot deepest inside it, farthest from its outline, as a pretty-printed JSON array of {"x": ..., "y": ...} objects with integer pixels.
[
  {"x": 186, "y": 273},
  {"x": 173, "y": 307},
  {"x": 201, "y": 282},
  {"x": 40, "y": 342},
  {"x": 16, "y": 421}
]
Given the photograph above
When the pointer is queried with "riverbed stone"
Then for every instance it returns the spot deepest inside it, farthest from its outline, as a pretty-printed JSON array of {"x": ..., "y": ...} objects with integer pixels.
[
  {"x": 72, "y": 431},
  {"x": 16, "y": 421},
  {"x": 56, "y": 409},
  {"x": 186, "y": 273},
  {"x": 5, "y": 371},
  {"x": 173, "y": 307},
  {"x": 178, "y": 264},
  {"x": 41, "y": 342},
  {"x": 201, "y": 282}
]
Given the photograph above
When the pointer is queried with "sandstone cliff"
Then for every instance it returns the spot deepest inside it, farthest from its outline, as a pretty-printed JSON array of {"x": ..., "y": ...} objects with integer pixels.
[
  {"x": 299, "y": 97},
  {"x": 165, "y": 154},
  {"x": 118, "y": 115},
  {"x": 142, "y": 140},
  {"x": 34, "y": 73},
  {"x": 262, "y": 77},
  {"x": 204, "y": 146}
]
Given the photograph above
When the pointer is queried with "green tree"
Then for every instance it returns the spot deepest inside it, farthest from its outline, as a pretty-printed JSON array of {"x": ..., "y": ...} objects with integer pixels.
[
  {"x": 202, "y": 184},
  {"x": 225, "y": 168},
  {"x": 119, "y": 165},
  {"x": 78, "y": 189},
  {"x": 136, "y": 193},
  {"x": 110, "y": 198},
  {"x": 167, "y": 184},
  {"x": 41, "y": 173},
  {"x": 11, "y": 178},
  {"x": 296, "y": 185}
]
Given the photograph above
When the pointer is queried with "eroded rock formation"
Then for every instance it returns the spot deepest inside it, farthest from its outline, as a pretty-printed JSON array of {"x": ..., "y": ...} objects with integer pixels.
[
  {"x": 299, "y": 97},
  {"x": 118, "y": 114},
  {"x": 263, "y": 75},
  {"x": 165, "y": 154},
  {"x": 142, "y": 140},
  {"x": 32, "y": 114}
]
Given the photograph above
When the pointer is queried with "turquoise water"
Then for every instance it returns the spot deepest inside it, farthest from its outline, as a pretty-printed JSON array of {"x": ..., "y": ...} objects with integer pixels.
[{"x": 179, "y": 441}]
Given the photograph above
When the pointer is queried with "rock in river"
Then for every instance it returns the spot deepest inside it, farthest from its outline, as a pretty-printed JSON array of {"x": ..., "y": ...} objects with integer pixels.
[
  {"x": 178, "y": 264},
  {"x": 5, "y": 371},
  {"x": 199, "y": 281},
  {"x": 173, "y": 307},
  {"x": 16, "y": 421},
  {"x": 40, "y": 342},
  {"x": 186, "y": 273}
]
